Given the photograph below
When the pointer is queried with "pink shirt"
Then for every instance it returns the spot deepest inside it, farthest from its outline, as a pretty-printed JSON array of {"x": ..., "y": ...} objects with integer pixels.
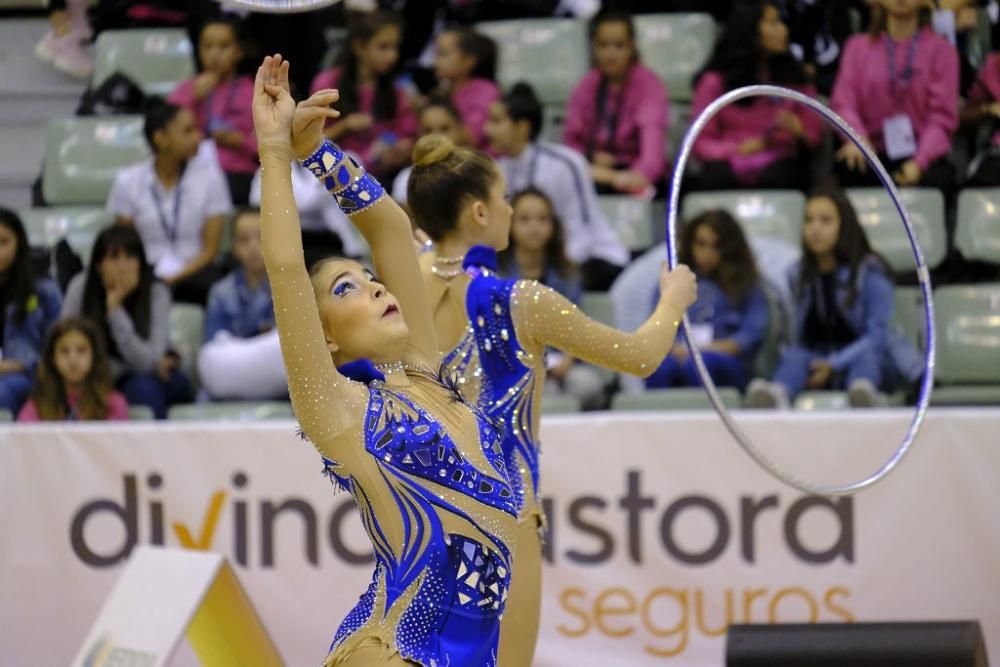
[
  {"x": 642, "y": 111},
  {"x": 403, "y": 125},
  {"x": 864, "y": 97},
  {"x": 472, "y": 100},
  {"x": 230, "y": 105},
  {"x": 987, "y": 86},
  {"x": 736, "y": 123},
  {"x": 117, "y": 408}
]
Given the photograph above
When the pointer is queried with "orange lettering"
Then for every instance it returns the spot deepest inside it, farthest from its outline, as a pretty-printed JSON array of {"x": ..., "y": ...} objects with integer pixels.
[
  {"x": 204, "y": 540},
  {"x": 585, "y": 622},
  {"x": 601, "y": 610}
]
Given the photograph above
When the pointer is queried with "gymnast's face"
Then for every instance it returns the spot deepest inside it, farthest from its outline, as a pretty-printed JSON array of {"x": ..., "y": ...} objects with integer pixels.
[
  {"x": 361, "y": 319},
  {"x": 822, "y": 226},
  {"x": 489, "y": 221}
]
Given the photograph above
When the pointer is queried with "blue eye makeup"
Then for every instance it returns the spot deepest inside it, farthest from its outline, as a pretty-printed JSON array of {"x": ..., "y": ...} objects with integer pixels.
[{"x": 342, "y": 288}]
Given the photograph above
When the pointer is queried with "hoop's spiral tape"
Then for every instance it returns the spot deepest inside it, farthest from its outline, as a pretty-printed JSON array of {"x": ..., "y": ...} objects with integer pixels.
[
  {"x": 922, "y": 273},
  {"x": 280, "y": 6}
]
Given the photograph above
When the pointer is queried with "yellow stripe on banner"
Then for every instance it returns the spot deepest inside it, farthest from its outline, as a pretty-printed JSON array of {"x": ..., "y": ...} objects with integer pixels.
[{"x": 226, "y": 631}]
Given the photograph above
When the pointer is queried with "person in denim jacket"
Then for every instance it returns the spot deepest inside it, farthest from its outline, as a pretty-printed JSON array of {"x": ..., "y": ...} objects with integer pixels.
[
  {"x": 28, "y": 307},
  {"x": 843, "y": 313},
  {"x": 241, "y": 358},
  {"x": 730, "y": 317}
]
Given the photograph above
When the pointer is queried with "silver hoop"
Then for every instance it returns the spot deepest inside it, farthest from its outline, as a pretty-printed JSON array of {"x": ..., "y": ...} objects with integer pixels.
[
  {"x": 280, "y": 6},
  {"x": 923, "y": 274}
]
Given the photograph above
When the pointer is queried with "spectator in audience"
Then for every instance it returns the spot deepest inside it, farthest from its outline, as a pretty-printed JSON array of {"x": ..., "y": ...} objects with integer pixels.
[
  {"x": 121, "y": 296},
  {"x": 617, "y": 115},
  {"x": 843, "y": 309},
  {"x": 982, "y": 110},
  {"x": 241, "y": 357},
  {"x": 28, "y": 307},
  {"x": 730, "y": 318},
  {"x": 438, "y": 116},
  {"x": 756, "y": 142},
  {"x": 61, "y": 46},
  {"x": 898, "y": 87},
  {"x": 465, "y": 66},
  {"x": 377, "y": 122},
  {"x": 220, "y": 99},
  {"x": 74, "y": 378},
  {"x": 177, "y": 200},
  {"x": 817, "y": 33},
  {"x": 536, "y": 252},
  {"x": 562, "y": 174}
]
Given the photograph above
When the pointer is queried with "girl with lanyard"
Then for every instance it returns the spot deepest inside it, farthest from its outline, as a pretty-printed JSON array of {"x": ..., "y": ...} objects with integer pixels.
[
  {"x": 494, "y": 333},
  {"x": 423, "y": 466},
  {"x": 617, "y": 115},
  {"x": 220, "y": 99},
  {"x": 378, "y": 124},
  {"x": 982, "y": 110},
  {"x": 756, "y": 142},
  {"x": 74, "y": 378},
  {"x": 898, "y": 87}
]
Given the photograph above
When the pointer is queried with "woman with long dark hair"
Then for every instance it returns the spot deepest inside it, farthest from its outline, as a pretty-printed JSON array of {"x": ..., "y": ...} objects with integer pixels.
[
  {"x": 120, "y": 295},
  {"x": 377, "y": 122},
  {"x": 618, "y": 113},
  {"x": 28, "y": 307},
  {"x": 843, "y": 290},
  {"x": 757, "y": 142},
  {"x": 730, "y": 317}
]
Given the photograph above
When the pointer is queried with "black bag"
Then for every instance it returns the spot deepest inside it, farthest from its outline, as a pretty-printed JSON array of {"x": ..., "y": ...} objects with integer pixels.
[{"x": 118, "y": 94}]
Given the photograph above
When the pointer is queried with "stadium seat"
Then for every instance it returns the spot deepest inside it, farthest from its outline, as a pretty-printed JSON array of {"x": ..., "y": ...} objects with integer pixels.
[
  {"x": 550, "y": 54},
  {"x": 968, "y": 344},
  {"x": 157, "y": 60},
  {"x": 837, "y": 400},
  {"x": 187, "y": 328},
  {"x": 885, "y": 231},
  {"x": 140, "y": 413},
  {"x": 597, "y": 306},
  {"x": 6, "y": 415},
  {"x": 688, "y": 398},
  {"x": 631, "y": 219},
  {"x": 977, "y": 234},
  {"x": 560, "y": 404},
  {"x": 773, "y": 213},
  {"x": 909, "y": 315},
  {"x": 675, "y": 46},
  {"x": 777, "y": 332},
  {"x": 78, "y": 225},
  {"x": 82, "y": 156},
  {"x": 242, "y": 411}
]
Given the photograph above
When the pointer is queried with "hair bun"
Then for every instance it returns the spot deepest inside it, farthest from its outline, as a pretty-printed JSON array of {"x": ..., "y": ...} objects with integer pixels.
[{"x": 432, "y": 149}]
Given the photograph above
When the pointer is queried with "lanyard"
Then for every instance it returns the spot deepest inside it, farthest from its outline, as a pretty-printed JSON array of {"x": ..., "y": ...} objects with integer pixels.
[
  {"x": 911, "y": 54},
  {"x": 169, "y": 230}
]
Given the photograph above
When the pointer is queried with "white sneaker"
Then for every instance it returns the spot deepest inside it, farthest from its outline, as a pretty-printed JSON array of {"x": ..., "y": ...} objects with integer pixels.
[
  {"x": 862, "y": 394},
  {"x": 43, "y": 50},
  {"x": 762, "y": 394},
  {"x": 70, "y": 58}
]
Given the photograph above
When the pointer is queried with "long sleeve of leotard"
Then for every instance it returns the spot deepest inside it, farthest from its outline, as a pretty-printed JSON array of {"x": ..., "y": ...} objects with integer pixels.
[
  {"x": 545, "y": 318},
  {"x": 325, "y": 402}
]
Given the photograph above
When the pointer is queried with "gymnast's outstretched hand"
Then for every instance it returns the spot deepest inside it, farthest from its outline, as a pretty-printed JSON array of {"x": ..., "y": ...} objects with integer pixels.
[
  {"x": 309, "y": 119},
  {"x": 273, "y": 106}
]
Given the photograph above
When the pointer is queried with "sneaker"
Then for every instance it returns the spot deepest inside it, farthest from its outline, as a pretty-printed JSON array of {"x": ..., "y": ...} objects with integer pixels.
[
  {"x": 43, "y": 50},
  {"x": 78, "y": 16},
  {"x": 70, "y": 58},
  {"x": 766, "y": 395},
  {"x": 862, "y": 394}
]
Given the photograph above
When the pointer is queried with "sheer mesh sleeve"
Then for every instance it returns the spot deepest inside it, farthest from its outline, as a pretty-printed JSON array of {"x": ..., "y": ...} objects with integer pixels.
[
  {"x": 545, "y": 318},
  {"x": 325, "y": 403}
]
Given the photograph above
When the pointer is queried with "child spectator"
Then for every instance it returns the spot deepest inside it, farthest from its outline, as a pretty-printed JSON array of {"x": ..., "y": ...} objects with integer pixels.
[
  {"x": 982, "y": 110},
  {"x": 465, "y": 66},
  {"x": 438, "y": 116}
]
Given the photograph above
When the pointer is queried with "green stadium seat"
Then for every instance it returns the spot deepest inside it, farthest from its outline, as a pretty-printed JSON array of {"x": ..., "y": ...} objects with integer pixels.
[
  {"x": 977, "y": 234},
  {"x": 79, "y": 225},
  {"x": 675, "y": 46},
  {"x": 631, "y": 219},
  {"x": 82, "y": 156},
  {"x": 6, "y": 415},
  {"x": 550, "y": 54},
  {"x": 688, "y": 398},
  {"x": 560, "y": 404},
  {"x": 140, "y": 413},
  {"x": 773, "y": 213},
  {"x": 243, "y": 411},
  {"x": 155, "y": 59},
  {"x": 909, "y": 315},
  {"x": 187, "y": 329},
  {"x": 968, "y": 327},
  {"x": 885, "y": 231}
]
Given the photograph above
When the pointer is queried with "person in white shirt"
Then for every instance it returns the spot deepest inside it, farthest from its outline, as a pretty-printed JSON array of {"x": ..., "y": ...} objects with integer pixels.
[
  {"x": 178, "y": 200},
  {"x": 513, "y": 127}
]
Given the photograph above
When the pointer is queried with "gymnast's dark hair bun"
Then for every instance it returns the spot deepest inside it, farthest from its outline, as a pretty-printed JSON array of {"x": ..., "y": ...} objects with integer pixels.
[{"x": 432, "y": 149}]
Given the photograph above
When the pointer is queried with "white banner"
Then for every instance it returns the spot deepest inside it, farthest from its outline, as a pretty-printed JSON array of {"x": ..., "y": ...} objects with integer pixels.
[{"x": 662, "y": 530}]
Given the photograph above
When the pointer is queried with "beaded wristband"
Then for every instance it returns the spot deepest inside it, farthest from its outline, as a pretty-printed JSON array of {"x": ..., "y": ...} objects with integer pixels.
[
  {"x": 359, "y": 195},
  {"x": 325, "y": 160}
]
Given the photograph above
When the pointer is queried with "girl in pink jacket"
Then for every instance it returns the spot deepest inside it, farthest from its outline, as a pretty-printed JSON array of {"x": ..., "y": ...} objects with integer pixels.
[
  {"x": 898, "y": 87},
  {"x": 465, "y": 66},
  {"x": 982, "y": 109}
]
